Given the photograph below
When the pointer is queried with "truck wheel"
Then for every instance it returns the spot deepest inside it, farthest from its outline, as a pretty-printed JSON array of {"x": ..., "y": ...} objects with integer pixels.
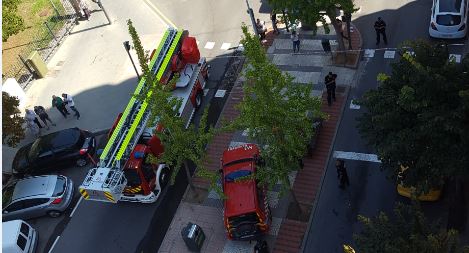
[
  {"x": 54, "y": 213},
  {"x": 198, "y": 100}
]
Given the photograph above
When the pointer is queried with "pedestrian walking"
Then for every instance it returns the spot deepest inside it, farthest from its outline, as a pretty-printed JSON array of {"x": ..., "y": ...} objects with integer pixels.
[
  {"x": 261, "y": 29},
  {"x": 68, "y": 100},
  {"x": 295, "y": 37},
  {"x": 30, "y": 119},
  {"x": 330, "y": 86},
  {"x": 58, "y": 103},
  {"x": 273, "y": 17},
  {"x": 342, "y": 173},
  {"x": 380, "y": 28},
  {"x": 41, "y": 112},
  {"x": 86, "y": 11}
]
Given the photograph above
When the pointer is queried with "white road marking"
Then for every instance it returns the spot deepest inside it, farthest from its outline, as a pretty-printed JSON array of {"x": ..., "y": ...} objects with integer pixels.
[
  {"x": 225, "y": 46},
  {"x": 205, "y": 92},
  {"x": 389, "y": 54},
  {"x": 220, "y": 93},
  {"x": 209, "y": 45},
  {"x": 53, "y": 245},
  {"x": 198, "y": 42},
  {"x": 455, "y": 57},
  {"x": 354, "y": 106},
  {"x": 76, "y": 206},
  {"x": 369, "y": 53},
  {"x": 333, "y": 42},
  {"x": 356, "y": 156}
]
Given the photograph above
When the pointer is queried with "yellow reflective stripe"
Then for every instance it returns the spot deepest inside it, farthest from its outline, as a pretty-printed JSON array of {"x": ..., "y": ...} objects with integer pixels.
[
  {"x": 84, "y": 194},
  {"x": 109, "y": 196},
  {"x": 132, "y": 100},
  {"x": 169, "y": 55}
]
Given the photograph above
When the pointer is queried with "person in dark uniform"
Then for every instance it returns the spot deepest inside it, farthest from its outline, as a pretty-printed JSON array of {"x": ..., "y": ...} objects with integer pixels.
[
  {"x": 380, "y": 28},
  {"x": 342, "y": 173},
  {"x": 261, "y": 247},
  {"x": 330, "y": 86}
]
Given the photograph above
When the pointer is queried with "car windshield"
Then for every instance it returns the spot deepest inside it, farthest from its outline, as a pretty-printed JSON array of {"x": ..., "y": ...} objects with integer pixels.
[
  {"x": 450, "y": 5},
  {"x": 448, "y": 19},
  {"x": 245, "y": 218},
  {"x": 7, "y": 194},
  {"x": 238, "y": 175},
  {"x": 59, "y": 187}
]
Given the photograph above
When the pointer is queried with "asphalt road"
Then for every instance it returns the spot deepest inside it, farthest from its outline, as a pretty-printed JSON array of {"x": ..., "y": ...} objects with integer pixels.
[{"x": 335, "y": 217}]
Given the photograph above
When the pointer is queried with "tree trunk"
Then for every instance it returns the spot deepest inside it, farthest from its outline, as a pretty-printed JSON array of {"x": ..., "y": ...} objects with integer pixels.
[
  {"x": 338, "y": 30},
  {"x": 189, "y": 177},
  {"x": 296, "y": 204}
]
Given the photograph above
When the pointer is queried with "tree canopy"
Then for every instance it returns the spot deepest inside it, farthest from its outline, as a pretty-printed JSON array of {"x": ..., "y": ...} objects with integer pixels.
[
  {"x": 12, "y": 122},
  {"x": 418, "y": 116},
  {"x": 12, "y": 23},
  {"x": 276, "y": 113},
  {"x": 408, "y": 232}
]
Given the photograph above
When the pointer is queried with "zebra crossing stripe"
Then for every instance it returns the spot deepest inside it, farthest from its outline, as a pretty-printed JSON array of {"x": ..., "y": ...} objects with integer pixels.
[
  {"x": 389, "y": 54},
  {"x": 225, "y": 46},
  {"x": 209, "y": 45},
  {"x": 356, "y": 156}
]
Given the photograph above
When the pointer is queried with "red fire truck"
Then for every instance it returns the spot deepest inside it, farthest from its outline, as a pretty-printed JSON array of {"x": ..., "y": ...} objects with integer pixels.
[
  {"x": 123, "y": 173},
  {"x": 246, "y": 210}
]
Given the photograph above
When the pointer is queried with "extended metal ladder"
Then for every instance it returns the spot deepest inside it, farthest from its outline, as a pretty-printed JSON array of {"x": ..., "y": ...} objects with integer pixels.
[{"x": 107, "y": 181}]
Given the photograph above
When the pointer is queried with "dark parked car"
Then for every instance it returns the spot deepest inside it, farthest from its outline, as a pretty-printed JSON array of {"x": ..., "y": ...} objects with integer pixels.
[{"x": 49, "y": 152}]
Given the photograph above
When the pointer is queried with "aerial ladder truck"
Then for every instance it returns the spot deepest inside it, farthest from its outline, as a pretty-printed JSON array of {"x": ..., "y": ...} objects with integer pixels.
[{"x": 122, "y": 173}]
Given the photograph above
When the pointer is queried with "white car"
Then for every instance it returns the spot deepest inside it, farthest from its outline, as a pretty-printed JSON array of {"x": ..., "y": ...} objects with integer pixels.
[{"x": 449, "y": 19}]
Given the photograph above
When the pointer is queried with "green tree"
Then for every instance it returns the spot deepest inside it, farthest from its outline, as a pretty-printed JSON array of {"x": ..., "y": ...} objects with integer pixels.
[
  {"x": 12, "y": 23},
  {"x": 408, "y": 232},
  {"x": 311, "y": 12},
  {"x": 277, "y": 114},
  {"x": 181, "y": 144},
  {"x": 12, "y": 130},
  {"x": 416, "y": 117}
]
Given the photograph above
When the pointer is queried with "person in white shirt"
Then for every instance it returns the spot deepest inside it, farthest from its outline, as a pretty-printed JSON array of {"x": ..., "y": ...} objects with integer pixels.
[
  {"x": 296, "y": 41},
  {"x": 69, "y": 101}
]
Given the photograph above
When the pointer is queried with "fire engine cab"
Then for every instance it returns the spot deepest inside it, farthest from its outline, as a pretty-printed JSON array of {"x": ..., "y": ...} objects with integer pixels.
[
  {"x": 123, "y": 173},
  {"x": 246, "y": 210}
]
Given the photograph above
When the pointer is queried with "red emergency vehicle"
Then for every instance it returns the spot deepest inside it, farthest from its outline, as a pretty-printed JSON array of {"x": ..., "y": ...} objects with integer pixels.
[{"x": 246, "y": 210}]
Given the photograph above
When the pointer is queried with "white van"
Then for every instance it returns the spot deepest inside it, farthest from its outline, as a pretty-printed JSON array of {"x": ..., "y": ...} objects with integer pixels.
[{"x": 18, "y": 237}]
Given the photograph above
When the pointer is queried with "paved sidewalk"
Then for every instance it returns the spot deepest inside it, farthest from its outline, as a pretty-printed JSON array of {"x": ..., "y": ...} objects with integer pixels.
[
  {"x": 286, "y": 235},
  {"x": 93, "y": 67}
]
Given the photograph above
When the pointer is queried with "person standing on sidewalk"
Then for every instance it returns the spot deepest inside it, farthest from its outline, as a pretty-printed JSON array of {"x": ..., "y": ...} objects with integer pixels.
[
  {"x": 330, "y": 86},
  {"x": 380, "y": 28},
  {"x": 295, "y": 37},
  {"x": 69, "y": 101},
  {"x": 41, "y": 112},
  {"x": 273, "y": 17},
  {"x": 261, "y": 29},
  {"x": 342, "y": 173},
  {"x": 30, "y": 119},
  {"x": 60, "y": 105}
]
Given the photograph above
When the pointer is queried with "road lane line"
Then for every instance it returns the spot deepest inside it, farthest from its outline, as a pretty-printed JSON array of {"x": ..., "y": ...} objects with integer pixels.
[
  {"x": 53, "y": 245},
  {"x": 356, "y": 156},
  {"x": 160, "y": 14},
  {"x": 75, "y": 208}
]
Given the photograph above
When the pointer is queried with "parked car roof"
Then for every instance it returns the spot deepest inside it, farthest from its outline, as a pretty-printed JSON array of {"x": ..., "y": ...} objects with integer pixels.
[
  {"x": 35, "y": 186},
  {"x": 449, "y": 6}
]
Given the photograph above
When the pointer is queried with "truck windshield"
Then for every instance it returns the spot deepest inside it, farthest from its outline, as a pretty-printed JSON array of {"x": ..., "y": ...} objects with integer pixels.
[
  {"x": 243, "y": 226},
  {"x": 133, "y": 179}
]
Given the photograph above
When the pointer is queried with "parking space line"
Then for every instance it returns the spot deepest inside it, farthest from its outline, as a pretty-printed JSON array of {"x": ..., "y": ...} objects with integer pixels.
[
  {"x": 53, "y": 245},
  {"x": 75, "y": 208}
]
